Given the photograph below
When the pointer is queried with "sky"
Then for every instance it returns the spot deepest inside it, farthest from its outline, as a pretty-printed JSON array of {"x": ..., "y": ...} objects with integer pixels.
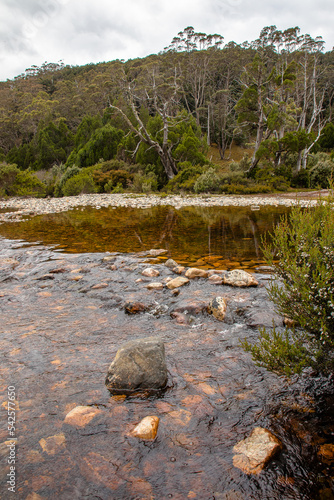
[{"x": 79, "y": 32}]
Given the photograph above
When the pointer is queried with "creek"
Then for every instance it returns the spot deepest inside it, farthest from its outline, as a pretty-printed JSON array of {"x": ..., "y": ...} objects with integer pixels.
[{"x": 65, "y": 279}]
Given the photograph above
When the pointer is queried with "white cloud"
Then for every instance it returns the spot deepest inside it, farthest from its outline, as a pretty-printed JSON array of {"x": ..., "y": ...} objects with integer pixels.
[{"x": 81, "y": 31}]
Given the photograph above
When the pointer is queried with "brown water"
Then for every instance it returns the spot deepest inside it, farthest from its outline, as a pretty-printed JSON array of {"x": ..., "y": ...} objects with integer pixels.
[
  {"x": 62, "y": 321},
  {"x": 225, "y": 238}
]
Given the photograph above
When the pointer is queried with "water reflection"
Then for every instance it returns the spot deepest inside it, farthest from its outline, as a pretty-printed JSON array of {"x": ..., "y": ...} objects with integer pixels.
[{"x": 226, "y": 237}]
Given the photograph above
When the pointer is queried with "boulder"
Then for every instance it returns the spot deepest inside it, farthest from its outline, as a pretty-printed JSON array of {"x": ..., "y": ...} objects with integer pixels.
[
  {"x": 239, "y": 278},
  {"x": 53, "y": 444},
  {"x": 193, "y": 272},
  {"x": 150, "y": 272},
  {"x": 217, "y": 308},
  {"x": 177, "y": 282},
  {"x": 254, "y": 452},
  {"x": 146, "y": 429},
  {"x": 139, "y": 365}
]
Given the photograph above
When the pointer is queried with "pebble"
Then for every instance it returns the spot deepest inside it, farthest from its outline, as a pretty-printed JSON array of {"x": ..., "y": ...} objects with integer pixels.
[{"x": 146, "y": 429}]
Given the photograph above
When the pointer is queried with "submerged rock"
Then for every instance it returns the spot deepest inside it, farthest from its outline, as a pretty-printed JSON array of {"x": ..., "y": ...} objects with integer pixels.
[
  {"x": 155, "y": 286},
  {"x": 81, "y": 415},
  {"x": 254, "y": 452},
  {"x": 53, "y": 444},
  {"x": 138, "y": 365},
  {"x": 217, "y": 308},
  {"x": 239, "y": 278},
  {"x": 146, "y": 429},
  {"x": 156, "y": 251}
]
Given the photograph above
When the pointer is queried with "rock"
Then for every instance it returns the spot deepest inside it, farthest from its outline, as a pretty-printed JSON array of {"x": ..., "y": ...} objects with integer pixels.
[
  {"x": 171, "y": 263},
  {"x": 53, "y": 444},
  {"x": 217, "y": 308},
  {"x": 146, "y": 429},
  {"x": 9, "y": 263},
  {"x": 177, "y": 282},
  {"x": 327, "y": 451},
  {"x": 135, "y": 307},
  {"x": 138, "y": 365},
  {"x": 239, "y": 278},
  {"x": 150, "y": 272},
  {"x": 98, "y": 286},
  {"x": 181, "y": 319},
  {"x": 154, "y": 252},
  {"x": 178, "y": 269},
  {"x": 155, "y": 286},
  {"x": 193, "y": 272},
  {"x": 81, "y": 415},
  {"x": 254, "y": 452},
  {"x": 191, "y": 307},
  {"x": 215, "y": 279}
]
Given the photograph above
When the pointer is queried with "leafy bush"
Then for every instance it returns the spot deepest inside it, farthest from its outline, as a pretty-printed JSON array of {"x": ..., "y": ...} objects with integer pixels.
[
  {"x": 67, "y": 174},
  {"x": 145, "y": 183},
  {"x": 303, "y": 289},
  {"x": 79, "y": 184},
  {"x": 321, "y": 170},
  {"x": 207, "y": 182},
  {"x": 186, "y": 177},
  {"x": 13, "y": 182}
]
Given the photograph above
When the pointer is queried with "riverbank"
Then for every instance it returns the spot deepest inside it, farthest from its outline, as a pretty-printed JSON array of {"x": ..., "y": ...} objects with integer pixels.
[{"x": 15, "y": 209}]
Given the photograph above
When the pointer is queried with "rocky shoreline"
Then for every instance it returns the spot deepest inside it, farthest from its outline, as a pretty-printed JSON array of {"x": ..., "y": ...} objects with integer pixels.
[{"x": 15, "y": 209}]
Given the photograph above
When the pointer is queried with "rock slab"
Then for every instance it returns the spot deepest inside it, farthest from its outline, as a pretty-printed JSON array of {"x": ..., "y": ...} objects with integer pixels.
[
  {"x": 81, "y": 415},
  {"x": 193, "y": 272},
  {"x": 177, "y": 282},
  {"x": 139, "y": 365},
  {"x": 254, "y": 452}
]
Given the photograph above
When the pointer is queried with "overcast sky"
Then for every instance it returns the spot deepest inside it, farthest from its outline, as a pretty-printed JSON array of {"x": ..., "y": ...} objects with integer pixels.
[{"x": 83, "y": 31}]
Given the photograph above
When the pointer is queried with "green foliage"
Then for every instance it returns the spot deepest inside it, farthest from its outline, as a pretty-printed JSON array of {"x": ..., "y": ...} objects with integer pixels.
[
  {"x": 145, "y": 183},
  {"x": 280, "y": 352},
  {"x": 209, "y": 181},
  {"x": 66, "y": 175},
  {"x": 80, "y": 183},
  {"x": 13, "y": 182},
  {"x": 186, "y": 177},
  {"x": 321, "y": 170},
  {"x": 102, "y": 145},
  {"x": 303, "y": 289},
  {"x": 326, "y": 140}
]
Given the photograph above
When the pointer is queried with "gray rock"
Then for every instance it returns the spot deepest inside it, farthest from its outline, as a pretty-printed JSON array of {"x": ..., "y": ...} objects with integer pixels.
[
  {"x": 171, "y": 263},
  {"x": 217, "y": 308},
  {"x": 139, "y": 365}
]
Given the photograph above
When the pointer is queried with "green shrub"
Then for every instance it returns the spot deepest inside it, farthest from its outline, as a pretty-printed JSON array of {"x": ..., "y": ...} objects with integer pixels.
[
  {"x": 185, "y": 178},
  {"x": 67, "y": 174},
  {"x": 321, "y": 170},
  {"x": 146, "y": 183},
  {"x": 13, "y": 182},
  {"x": 207, "y": 182},
  {"x": 303, "y": 289},
  {"x": 82, "y": 183}
]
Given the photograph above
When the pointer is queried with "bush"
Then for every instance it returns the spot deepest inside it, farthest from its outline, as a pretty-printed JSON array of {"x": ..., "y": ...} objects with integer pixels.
[
  {"x": 186, "y": 177},
  {"x": 82, "y": 183},
  {"x": 145, "y": 183},
  {"x": 207, "y": 182},
  {"x": 321, "y": 171},
  {"x": 303, "y": 290},
  {"x": 13, "y": 182}
]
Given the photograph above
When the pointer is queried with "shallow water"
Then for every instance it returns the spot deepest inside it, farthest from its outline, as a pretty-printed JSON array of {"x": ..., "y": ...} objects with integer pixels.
[
  {"x": 208, "y": 237},
  {"x": 62, "y": 321}
]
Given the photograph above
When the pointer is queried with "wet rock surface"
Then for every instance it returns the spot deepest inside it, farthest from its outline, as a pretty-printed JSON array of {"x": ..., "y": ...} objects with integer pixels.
[
  {"x": 139, "y": 365},
  {"x": 58, "y": 337}
]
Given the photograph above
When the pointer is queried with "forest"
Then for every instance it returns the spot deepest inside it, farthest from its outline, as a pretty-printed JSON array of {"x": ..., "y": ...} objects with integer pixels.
[{"x": 201, "y": 116}]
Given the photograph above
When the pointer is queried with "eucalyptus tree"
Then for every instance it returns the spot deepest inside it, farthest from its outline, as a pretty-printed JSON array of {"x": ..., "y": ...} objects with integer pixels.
[{"x": 156, "y": 87}]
